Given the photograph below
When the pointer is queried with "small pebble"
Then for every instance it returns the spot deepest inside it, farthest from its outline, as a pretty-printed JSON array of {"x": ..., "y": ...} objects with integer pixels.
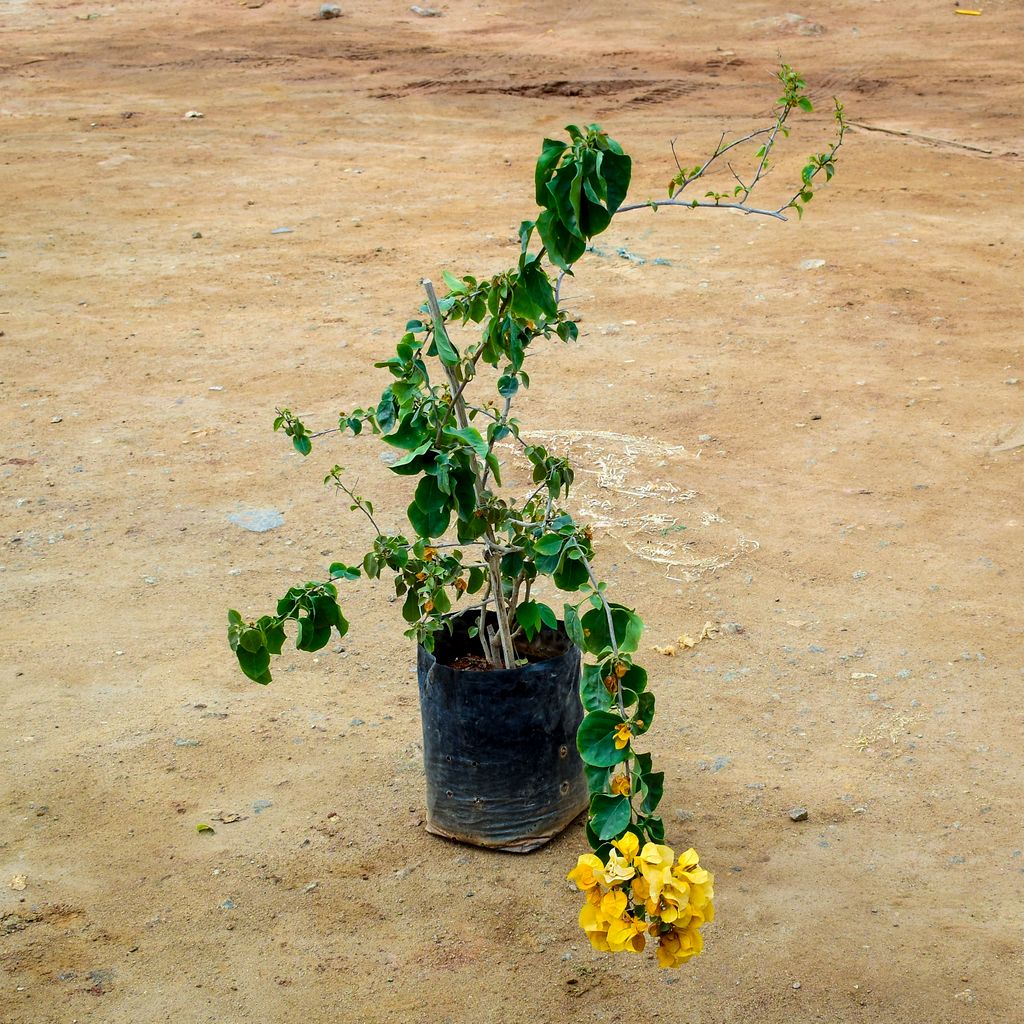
[
  {"x": 328, "y": 11},
  {"x": 798, "y": 814},
  {"x": 796, "y": 984},
  {"x": 197, "y": 234}
]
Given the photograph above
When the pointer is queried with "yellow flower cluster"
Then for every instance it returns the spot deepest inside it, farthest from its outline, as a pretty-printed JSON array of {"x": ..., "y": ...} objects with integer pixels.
[{"x": 667, "y": 899}]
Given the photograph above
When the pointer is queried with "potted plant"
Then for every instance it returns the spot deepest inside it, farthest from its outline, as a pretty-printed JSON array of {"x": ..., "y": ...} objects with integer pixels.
[{"x": 517, "y": 739}]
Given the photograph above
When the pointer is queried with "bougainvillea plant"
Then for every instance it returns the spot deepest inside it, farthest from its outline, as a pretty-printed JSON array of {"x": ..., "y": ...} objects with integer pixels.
[{"x": 474, "y": 549}]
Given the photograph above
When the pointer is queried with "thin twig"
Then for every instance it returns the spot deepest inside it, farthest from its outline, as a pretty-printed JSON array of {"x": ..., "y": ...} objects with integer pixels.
[{"x": 697, "y": 204}]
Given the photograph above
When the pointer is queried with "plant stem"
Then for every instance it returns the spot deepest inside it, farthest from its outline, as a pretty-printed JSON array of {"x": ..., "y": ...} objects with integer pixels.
[
  {"x": 493, "y": 555},
  {"x": 611, "y": 626}
]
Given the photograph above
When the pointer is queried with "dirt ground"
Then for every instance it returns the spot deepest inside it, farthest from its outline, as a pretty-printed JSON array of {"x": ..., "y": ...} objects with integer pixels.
[{"x": 811, "y": 432}]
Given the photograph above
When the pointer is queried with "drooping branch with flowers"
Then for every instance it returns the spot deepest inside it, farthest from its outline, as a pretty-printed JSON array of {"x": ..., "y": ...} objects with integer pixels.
[{"x": 474, "y": 549}]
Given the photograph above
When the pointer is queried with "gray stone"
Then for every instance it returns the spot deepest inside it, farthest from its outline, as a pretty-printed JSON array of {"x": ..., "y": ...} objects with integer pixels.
[
  {"x": 329, "y": 11},
  {"x": 257, "y": 520},
  {"x": 798, "y": 814}
]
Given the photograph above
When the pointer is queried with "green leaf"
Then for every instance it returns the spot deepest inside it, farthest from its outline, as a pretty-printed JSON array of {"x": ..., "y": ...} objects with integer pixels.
[
  {"x": 525, "y": 231},
  {"x": 476, "y": 580},
  {"x": 528, "y": 616},
  {"x": 573, "y": 629},
  {"x": 412, "y": 433},
  {"x": 469, "y": 436},
  {"x": 495, "y": 467},
  {"x": 313, "y": 636},
  {"x": 593, "y": 694},
  {"x": 644, "y": 713},
  {"x": 610, "y": 815},
  {"x": 446, "y": 351},
  {"x": 274, "y": 636},
  {"x": 805, "y": 104},
  {"x": 551, "y": 152},
  {"x": 653, "y": 790},
  {"x": 417, "y": 461},
  {"x": 455, "y": 286},
  {"x": 302, "y": 444},
  {"x": 628, "y": 628},
  {"x": 571, "y": 574},
  {"x": 203, "y": 827},
  {"x": 255, "y": 664},
  {"x": 616, "y": 170},
  {"x": 635, "y": 679},
  {"x": 549, "y": 544},
  {"x": 568, "y": 331},
  {"x": 430, "y": 512},
  {"x": 597, "y": 779},
  {"x": 411, "y": 607},
  {"x": 252, "y": 640},
  {"x": 548, "y": 617},
  {"x": 595, "y": 740},
  {"x": 464, "y": 493},
  {"x": 538, "y": 287},
  {"x": 565, "y": 189},
  {"x": 564, "y": 248},
  {"x": 655, "y": 829},
  {"x": 341, "y": 571},
  {"x": 236, "y": 624}
]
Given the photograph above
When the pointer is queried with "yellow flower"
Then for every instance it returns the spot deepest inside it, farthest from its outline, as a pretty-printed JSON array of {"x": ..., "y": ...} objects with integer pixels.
[
  {"x": 583, "y": 873},
  {"x": 701, "y": 883},
  {"x": 642, "y": 892},
  {"x": 674, "y": 902},
  {"x": 614, "y": 904},
  {"x": 618, "y": 869},
  {"x": 620, "y": 785},
  {"x": 623, "y": 734},
  {"x": 655, "y": 863},
  {"x": 678, "y": 946},
  {"x": 595, "y": 925},
  {"x": 690, "y": 869},
  {"x": 627, "y": 934},
  {"x": 628, "y": 846}
]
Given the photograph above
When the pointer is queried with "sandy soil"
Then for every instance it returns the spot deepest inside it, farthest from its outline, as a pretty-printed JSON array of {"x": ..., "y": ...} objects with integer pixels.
[{"x": 837, "y": 439}]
